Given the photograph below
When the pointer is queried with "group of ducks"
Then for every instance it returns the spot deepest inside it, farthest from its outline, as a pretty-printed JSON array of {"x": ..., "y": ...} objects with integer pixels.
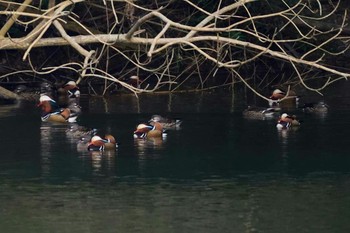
[
  {"x": 68, "y": 111},
  {"x": 276, "y": 100},
  {"x": 89, "y": 139},
  {"x": 157, "y": 126}
]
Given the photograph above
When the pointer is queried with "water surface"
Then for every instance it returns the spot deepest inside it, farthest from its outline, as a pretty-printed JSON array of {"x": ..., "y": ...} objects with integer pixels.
[{"x": 219, "y": 173}]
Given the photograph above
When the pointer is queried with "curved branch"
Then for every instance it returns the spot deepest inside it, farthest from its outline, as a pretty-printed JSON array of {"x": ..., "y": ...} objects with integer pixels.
[{"x": 14, "y": 17}]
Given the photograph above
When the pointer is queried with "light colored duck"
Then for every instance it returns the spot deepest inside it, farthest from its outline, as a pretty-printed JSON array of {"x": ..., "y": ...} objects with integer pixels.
[
  {"x": 260, "y": 113},
  {"x": 166, "y": 123},
  {"x": 286, "y": 121}
]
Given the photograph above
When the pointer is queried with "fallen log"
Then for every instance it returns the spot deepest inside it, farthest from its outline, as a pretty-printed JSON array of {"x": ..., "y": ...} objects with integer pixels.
[{"x": 7, "y": 95}]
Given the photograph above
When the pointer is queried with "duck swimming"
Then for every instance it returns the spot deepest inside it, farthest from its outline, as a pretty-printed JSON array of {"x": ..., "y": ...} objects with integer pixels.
[
  {"x": 166, "y": 123},
  {"x": 77, "y": 131},
  {"x": 319, "y": 107},
  {"x": 286, "y": 121},
  {"x": 69, "y": 93},
  {"x": 153, "y": 130},
  {"x": 100, "y": 144},
  {"x": 277, "y": 96},
  {"x": 52, "y": 112},
  {"x": 260, "y": 112}
]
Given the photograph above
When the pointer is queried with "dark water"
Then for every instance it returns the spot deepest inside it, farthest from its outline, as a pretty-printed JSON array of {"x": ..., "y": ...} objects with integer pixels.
[{"x": 218, "y": 173}]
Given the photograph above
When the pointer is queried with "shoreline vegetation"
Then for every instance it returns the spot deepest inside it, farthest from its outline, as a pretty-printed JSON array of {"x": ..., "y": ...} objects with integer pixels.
[{"x": 173, "y": 46}]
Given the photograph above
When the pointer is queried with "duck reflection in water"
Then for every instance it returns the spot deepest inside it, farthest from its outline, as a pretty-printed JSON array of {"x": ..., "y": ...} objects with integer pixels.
[
  {"x": 99, "y": 161},
  {"x": 149, "y": 143},
  {"x": 102, "y": 160},
  {"x": 149, "y": 147},
  {"x": 50, "y": 139},
  {"x": 9, "y": 109}
]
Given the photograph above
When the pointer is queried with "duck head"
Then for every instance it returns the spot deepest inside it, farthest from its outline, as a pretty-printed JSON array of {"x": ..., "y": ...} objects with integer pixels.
[
  {"x": 47, "y": 104},
  {"x": 97, "y": 141},
  {"x": 135, "y": 81},
  {"x": 277, "y": 94},
  {"x": 154, "y": 129},
  {"x": 292, "y": 120},
  {"x": 70, "y": 85},
  {"x": 45, "y": 98},
  {"x": 142, "y": 130},
  {"x": 156, "y": 118}
]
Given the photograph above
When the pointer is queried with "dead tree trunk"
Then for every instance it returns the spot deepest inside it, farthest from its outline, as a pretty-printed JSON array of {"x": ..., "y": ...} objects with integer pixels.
[{"x": 7, "y": 95}]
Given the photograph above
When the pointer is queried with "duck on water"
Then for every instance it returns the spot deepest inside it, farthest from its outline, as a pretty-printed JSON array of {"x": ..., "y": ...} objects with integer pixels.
[
  {"x": 319, "y": 107},
  {"x": 260, "y": 112},
  {"x": 98, "y": 143},
  {"x": 52, "y": 112},
  {"x": 286, "y": 121},
  {"x": 281, "y": 97},
  {"x": 152, "y": 130},
  {"x": 167, "y": 123}
]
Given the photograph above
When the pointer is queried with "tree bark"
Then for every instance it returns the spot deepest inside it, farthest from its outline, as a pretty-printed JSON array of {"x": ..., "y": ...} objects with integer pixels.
[{"x": 8, "y": 95}]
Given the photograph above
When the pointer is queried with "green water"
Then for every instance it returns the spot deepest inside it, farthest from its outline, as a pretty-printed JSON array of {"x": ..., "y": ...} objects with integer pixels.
[{"x": 219, "y": 173}]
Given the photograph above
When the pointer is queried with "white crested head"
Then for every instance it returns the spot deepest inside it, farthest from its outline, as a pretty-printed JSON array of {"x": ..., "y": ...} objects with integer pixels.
[
  {"x": 277, "y": 91},
  {"x": 96, "y": 138},
  {"x": 134, "y": 77},
  {"x": 156, "y": 118},
  {"x": 45, "y": 98},
  {"x": 141, "y": 126},
  {"x": 71, "y": 83},
  {"x": 284, "y": 115}
]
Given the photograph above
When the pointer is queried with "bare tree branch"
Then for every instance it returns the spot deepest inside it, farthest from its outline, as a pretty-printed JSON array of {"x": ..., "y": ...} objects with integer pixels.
[{"x": 152, "y": 41}]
